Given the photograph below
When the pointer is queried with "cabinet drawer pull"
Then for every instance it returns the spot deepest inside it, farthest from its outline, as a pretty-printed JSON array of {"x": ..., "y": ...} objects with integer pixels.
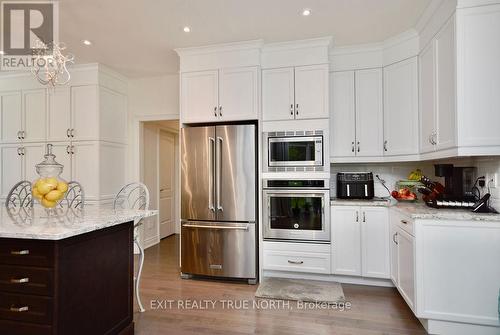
[
  {"x": 19, "y": 309},
  {"x": 394, "y": 236},
  {"x": 67, "y": 133},
  {"x": 20, "y": 280},
  {"x": 297, "y": 109},
  {"x": 404, "y": 222},
  {"x": 220, "y": 110},
  {"x": 20, "y": 252},
  {"x": 385, "y": 145},
  {"x": 352, "y": 146},
  {"x": 295, "y": 262},
  {"x": 291, "y": 109},
  {"x": 359, "y": 147},
  {"x": 364, "y": 217},
  {"x": 215, "y": 111}
]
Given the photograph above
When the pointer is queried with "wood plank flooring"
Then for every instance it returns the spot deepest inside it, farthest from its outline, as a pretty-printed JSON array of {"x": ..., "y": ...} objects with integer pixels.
[{"x": 375, "y": 310}]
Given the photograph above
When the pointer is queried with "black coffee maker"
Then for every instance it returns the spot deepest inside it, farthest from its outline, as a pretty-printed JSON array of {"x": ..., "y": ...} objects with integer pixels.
[{"x": 458, "y": 181}]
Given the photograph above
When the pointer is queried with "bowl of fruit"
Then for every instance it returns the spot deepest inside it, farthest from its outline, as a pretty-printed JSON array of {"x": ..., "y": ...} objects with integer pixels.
[
  {"x": 50, "y": 188},
  {"x": 406, "y": 189},
  {"x": 404, "y": 194}
]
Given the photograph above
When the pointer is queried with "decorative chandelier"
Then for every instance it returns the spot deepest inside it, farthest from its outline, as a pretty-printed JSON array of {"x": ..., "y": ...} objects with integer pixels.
[{"x": 49, "y": 64}]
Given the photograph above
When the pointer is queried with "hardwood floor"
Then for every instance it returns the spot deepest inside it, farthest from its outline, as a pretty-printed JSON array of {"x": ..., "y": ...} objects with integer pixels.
[{"x": 375, "y": 310}]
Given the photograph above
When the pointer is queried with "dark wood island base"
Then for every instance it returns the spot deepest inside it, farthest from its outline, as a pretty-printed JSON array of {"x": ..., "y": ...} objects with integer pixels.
[{"x": 78, "y": 285}]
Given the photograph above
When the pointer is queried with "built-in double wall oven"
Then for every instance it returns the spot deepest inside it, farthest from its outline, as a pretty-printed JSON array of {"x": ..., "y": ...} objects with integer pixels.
[
  {"x": 293, "y": 151},
  {"x": 296, "y": 210}
]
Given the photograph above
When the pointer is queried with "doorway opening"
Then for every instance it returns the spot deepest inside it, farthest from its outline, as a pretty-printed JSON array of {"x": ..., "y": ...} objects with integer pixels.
[{"x": 160, "y": 173}]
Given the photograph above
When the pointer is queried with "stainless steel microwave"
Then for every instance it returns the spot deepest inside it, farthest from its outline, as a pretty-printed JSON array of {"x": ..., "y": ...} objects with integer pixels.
[{"x": 294, "y": 151}]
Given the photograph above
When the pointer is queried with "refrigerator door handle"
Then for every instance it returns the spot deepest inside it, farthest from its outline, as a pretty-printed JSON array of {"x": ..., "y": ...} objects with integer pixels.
[
  {"x": 216, "y": 226},
  {"x": 218, "y": 168},
  {"x": 211, "y": 153}
]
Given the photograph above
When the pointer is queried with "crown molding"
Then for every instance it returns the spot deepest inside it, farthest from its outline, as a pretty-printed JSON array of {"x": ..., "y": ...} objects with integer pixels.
[
  {"x": 326, "y": 41},
  {"x": 225, "y": 47}
]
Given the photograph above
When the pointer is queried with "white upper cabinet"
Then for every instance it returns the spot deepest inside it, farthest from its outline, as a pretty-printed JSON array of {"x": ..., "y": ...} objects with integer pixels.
[
  {"x": 369, "y": 113},
  {"x": 230, "y": 94},
  {"x": 342, "y": 114},
  {"x": 278, "y": 94},
  {"x": 200, "y": 96},
  {"x": 239, "y": 93},
  {"x": 357, "y": 114},
  {"x": 427, "y": 98},
  {"x": 478, "y": 89},
  {"x": 295, "y": 93},
  {"x": 11, "y": 121},
  {"x": 401, "y": 108},
  {"x": 311, "y": 92},
  {"x": 35, "y": 115},
  {"x": 84, "y": 113},
  {"x": 59, "y": 120}
]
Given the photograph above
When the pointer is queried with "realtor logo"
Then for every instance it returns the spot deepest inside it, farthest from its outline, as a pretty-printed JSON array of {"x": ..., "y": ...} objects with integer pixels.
[{"x": 27, "y": 27}]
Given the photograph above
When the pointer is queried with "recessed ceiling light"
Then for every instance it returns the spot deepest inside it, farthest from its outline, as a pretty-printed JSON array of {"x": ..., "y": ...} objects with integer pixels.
[
  {"x": 2, "y": 52},
  {"x": 306, "y": 12},
  {"x": 186, "y": 29},
  {"x": 87, "y": 42}
]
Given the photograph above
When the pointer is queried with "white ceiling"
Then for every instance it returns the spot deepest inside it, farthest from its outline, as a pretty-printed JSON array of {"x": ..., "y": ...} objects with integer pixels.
[{"x": 137, "y": 37}]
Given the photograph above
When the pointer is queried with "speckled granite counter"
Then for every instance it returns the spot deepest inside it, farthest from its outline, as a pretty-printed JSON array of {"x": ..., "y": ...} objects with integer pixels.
[
  {"x": 423, "y": 212},
  {"x": 34, "y": 224},
  {"x": 378, "y": 202}
]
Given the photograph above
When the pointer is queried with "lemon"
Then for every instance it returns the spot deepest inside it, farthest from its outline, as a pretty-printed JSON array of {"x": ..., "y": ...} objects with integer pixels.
[
  {"x": 54, "y": 195},
  {"x": 44, "y": 188},
  {"x": 52, "y": 181},
  {"x": 38, "y": 182},
  {"x": 48, "y": 203},
  {"x": 62, "y": 187},
  {"x": 36, "y": 194}
]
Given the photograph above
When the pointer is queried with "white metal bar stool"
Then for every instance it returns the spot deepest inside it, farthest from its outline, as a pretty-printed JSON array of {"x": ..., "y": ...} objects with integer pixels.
[{"x": 134, "y": 196}]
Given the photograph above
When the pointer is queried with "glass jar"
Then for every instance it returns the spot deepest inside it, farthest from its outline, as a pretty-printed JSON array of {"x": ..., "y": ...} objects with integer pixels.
[{"x": 50, "y": 188}]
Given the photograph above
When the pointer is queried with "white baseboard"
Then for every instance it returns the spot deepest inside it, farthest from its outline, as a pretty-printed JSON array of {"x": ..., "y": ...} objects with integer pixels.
[{"x": 330, "y": 278}]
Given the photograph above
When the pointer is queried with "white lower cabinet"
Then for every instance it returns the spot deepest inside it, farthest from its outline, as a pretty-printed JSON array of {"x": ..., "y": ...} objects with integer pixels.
[
  {"x": 360, "y": 241},
  {"x": 297, "y": 257}
]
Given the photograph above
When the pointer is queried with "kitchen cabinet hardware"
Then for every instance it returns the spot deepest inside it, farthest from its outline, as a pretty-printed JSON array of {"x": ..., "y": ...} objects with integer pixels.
[
  {"x": 364, "y": 216},
  {"x": 19, "y": 309},
  {"x": 297, "y": 109},
  {"x": 394, "y": 238},
  {"x": 296, "y": 262},
  {"x": 404, "y": 222},
  {"x": 67, "y": 133},
  {"x": 220, "y": 110},
  {"x": 357, "y": 216},
  {"x": 20, "y": 252},
  {"x": 67, "y": 150},
  {"x": 352, "y": 146},
  {"x": 215, "y": 111},
  {"x": 359, "y": 147},
  {"x": 385, "y": 145},
  {"x": 291, "y": 109},
  {"x": 20, "y": 280}
]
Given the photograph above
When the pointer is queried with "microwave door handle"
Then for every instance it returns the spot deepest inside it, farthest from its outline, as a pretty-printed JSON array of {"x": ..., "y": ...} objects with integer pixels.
[
  {"x": 218, "y": 169},
  {"x": 211, "y": 153}
]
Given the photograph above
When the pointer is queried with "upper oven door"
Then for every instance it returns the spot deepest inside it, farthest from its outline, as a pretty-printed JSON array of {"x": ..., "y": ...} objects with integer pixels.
[
  {"x": 296, "y": 215},
  {"x": 295, "y": 151}
]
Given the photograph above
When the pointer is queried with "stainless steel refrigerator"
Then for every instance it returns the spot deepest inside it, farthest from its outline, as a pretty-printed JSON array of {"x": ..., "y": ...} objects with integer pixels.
[{"x": 218, "y": 201}]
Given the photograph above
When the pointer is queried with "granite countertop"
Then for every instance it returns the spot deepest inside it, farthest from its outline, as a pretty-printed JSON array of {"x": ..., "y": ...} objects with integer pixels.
[
  {"x": 35, "y": 224},
  {"x": 377, "y": 202},
  {"x": 423, "y": 212}
]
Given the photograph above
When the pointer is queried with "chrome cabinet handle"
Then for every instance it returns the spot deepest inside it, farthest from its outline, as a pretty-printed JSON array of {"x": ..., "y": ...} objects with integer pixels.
[
  {"x": 404, "y": 222},
  {"x": 67, "y": 133},
  {"x": 297, "y": 109},
  {"x": 19, "y": 309},
  {"x": 291, "y": 109},
  {"x": 20, "y": 280},
  {"x": 220, "y": 110},
  {"x": 295, "y": 262},
  {"x": 394, "y": 236},
  {"x": 215, "y": 111},
  {"x": 359, "y": 147},
  {"x": 434, "y": 138},
  {"x": 67, "y": 150},
  {"x": 23, "y": 134},
  {"x": 357, "y": 216},
  {"x": 385, "y": 145},
  {"x": 352, "y": 146},
  {"x": 364, "y": 217},
  {"x": 72, "y": 149},
  {"x": 19, "y": 135},
  {"x": 19, "y": 151},
  {"x": 218, "y": 176},
  {"x": 20, "y": 252},
  {"x": 72, "y": 132}
]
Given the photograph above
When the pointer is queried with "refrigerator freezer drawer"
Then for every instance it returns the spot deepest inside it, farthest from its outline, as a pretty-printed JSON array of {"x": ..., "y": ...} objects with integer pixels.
[{"x": 218, "y": 249}]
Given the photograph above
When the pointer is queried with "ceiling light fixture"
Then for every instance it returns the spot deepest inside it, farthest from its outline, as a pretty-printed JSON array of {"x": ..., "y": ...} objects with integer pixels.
[
  {"x": 87, "y": 42},
  {"x": 306, "y": 12},
  {"x": 186, "y": 29},
  {"x": 2, "y": 52}
]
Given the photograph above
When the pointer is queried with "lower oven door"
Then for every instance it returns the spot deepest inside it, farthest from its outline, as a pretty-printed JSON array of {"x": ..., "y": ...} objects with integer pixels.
[
  {"x": 219, "y": 249},
  {"x": 297, "y": 215}
]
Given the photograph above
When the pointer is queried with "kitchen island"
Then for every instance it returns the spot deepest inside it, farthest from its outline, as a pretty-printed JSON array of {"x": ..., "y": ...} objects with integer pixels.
[{"x": 67, "y": 274}]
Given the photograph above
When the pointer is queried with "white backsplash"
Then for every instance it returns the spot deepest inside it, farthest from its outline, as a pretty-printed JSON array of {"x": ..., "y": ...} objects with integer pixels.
[{"x": 392, "y": 172}]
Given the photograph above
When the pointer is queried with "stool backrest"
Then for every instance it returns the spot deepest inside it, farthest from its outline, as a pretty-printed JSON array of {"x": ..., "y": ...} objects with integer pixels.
[
  {"x": 20, "y": 196},
  {"x": 132, "y": 196}
]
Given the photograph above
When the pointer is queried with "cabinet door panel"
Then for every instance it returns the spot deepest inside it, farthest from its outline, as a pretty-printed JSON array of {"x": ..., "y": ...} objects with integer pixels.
[
  {"x": 445, "y": 76},
  {"x": 401, "y": 108},
  {"x": 311, "y": 92},
  {"x": 84, "y": 112},
  {"x": 406, "y": 267},
  {"x": 59, "y": 114},
  {"x": 35, "y": 115},
  {"x": 369, "y": 113},
  {"x": 63, "y": 157},
  {"x": 278, "y": 94},
  {"x": 346, "y": 238},
  {"x": 10, "y": 116},
  {"x": 12, "y": 168},
  {"x": 199, "y": 96},
  {"x": 84, "y": 169},
  {"x": 427, "y": 97},
  {"x": 238, "y": 93},
  {"x": 394, "y": 252},
  {"x": 375, "y": 242},
  {"x": 33, "y": 154},
  {"x": 342, "y": 114}
]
